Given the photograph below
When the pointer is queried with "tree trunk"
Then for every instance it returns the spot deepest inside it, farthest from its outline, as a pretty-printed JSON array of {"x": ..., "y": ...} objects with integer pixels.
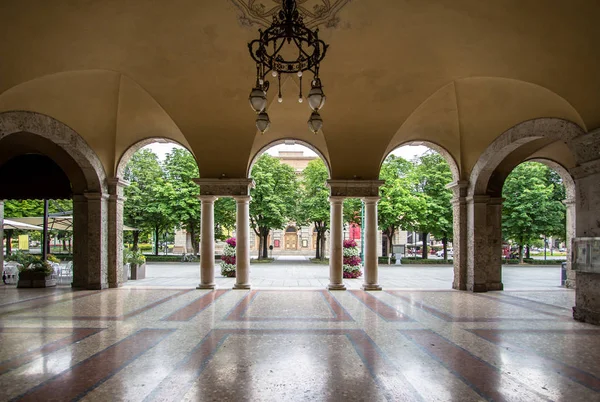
[
  {"x": 260, "y": 241},
  {"x": 8, "y": 236},
  {"x": 265, "y": 246},
  {"x": 136, "y": 240},
  {"x": 424, "y": 249},
  {"x": 64, "y": 244},
  {"x": 527, "y": 251},
  {"x": 520, "y": 253},
  {"x": 445, "y": 244},
  {"x": 318, "y": 244},
  {"x": 156, "y": 234}
]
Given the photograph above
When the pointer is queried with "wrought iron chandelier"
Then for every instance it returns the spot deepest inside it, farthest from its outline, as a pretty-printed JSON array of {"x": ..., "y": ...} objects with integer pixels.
[{"x": 287, "y": 47}]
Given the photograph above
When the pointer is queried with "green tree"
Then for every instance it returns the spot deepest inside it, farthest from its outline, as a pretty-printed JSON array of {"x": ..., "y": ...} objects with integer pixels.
[
  {"x": 145, "y": 207},
  {"x": 399, "y": 207},
  {"x": 225, "y": 210},
  {"x": 181, "y": 196},
  {"x": 531, "y": 208},
  {"x": 430, "y": 176},
  {"x": 353, "y": 211},
  {"x": 314, "y": 201},
  {"x": 274, "y": 198}
]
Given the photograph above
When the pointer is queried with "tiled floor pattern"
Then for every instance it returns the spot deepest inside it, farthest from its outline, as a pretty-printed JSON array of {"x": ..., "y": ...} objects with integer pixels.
[{"x": 296, "y": 345}]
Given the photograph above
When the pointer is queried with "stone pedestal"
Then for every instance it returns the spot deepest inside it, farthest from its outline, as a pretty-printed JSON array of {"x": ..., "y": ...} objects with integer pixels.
[
  {"x": 371, "y": 231},
  {"x": 242, "y": 252},
  {"x": 336, "y": 253},
  {"x": 494, "y": 244},
  {"x": 207, "y": 242},
  {"x": 587, "y": 302},
  {"x": 478, "y": 253}
]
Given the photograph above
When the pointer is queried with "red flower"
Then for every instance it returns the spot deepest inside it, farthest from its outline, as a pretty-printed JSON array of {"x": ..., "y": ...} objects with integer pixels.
[
  {"x": 349, "y": 243},
  {"x": 231, "y": 241}
]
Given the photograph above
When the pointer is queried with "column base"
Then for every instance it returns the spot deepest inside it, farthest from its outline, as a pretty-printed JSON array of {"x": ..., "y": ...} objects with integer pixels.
[
  {"x": 97, "y": 286},
  {"x": 477, "y": 288},
  {"x": 242, "y": 286},
  {"x": 495, "y": 286},
  {"x": 586, "y": 315},
  {"x": 371, "y": 286},
  {"x": 336, "y": 286},
  {"x": 207, "y": 286},
  {"x": 115, "y": 285}
]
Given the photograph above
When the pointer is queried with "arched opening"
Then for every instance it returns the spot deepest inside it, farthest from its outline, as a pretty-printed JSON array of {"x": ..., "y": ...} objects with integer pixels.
[
  {"x": 289, "y": 208},
  {"x": 415, "y": 211},
  {"x": 43, "y": 159},
  {"x": 491, "y": 184},
  {"x": 162, "y": 206}
]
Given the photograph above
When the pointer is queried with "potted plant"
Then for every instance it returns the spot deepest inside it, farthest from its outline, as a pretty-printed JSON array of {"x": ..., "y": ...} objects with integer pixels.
[
  {"x": 352, "y": 261},
  {"x": 36, "y": 274},
  {"x": 228, "y": 258},
  {"x": 137, "y": 262},
  {"x": 126, "y": 263}
]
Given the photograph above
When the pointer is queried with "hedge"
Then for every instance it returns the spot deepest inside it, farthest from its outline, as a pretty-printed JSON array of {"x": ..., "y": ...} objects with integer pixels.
[
  {"x": 384, "y": 260},
  {"x": 421, "y": 261},
  {"x": 262, "y": 260},
  {"x": 170, "y": 258},
  {"x": 531, "y": 261},
  {"x": 324, "y": 261}
]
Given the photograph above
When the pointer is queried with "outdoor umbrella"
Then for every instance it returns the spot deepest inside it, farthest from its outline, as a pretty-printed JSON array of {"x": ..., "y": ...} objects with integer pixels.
[{"x": 10, "y": 224}]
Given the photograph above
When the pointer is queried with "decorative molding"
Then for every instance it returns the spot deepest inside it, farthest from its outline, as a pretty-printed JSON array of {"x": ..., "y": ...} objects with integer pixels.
[
  {"x": 225, "y": 187},
  {"x": 355, "y": 188},
  {"x": 314, "y": 12}
]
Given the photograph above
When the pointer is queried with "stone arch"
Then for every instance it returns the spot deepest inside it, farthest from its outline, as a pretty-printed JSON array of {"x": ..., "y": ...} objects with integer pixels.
[
  {"x": 31, "y": 132},
  {"x": 64, "y": 137},
  {"x": 290, "y": 141},
  {"x": 437, "y": 148},
  {"x": 518, "y": 136},
  {"x": 133, "y": 148}
]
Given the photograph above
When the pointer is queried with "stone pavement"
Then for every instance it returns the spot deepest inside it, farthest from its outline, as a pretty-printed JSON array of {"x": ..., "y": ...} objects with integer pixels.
[{"x": 296, "y": 272}]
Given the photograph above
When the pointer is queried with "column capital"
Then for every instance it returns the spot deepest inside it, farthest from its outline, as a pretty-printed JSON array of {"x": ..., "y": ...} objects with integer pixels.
[
  {"x": 95, "y": 196},
  {"x": 496, "y": 200},
  {"x": 371, "y": 199},
  {"x": 336, "y": 199},
  {"x": 478, "y": 199},
  {"x": 242, "y": 198},
  {"x": 569, "y": 202},
  {"x": 208, "y": 198},
  {"x": 459, "y": 188},
  {"x": 225, "y": 187},
  {"x": 355, "y": 188}
]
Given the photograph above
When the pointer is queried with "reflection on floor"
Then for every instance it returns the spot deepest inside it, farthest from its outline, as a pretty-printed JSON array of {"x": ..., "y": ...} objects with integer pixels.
[{"x": 187, "y": 344}]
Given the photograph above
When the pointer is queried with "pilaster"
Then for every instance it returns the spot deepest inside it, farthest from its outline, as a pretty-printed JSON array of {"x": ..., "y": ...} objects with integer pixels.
[{"x": 116, "y": 201}]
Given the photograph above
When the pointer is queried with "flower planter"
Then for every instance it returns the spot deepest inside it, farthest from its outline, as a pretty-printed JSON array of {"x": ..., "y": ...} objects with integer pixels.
[
  {"x": 138, "y": 271},
  {"x": 35, "y": 280}
]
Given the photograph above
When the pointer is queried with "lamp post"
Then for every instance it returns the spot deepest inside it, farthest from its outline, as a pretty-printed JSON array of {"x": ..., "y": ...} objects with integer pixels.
[{"x": 362, "y": 232}]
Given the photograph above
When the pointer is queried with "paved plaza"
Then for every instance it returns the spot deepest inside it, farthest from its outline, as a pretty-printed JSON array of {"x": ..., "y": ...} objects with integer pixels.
[{"x": 298, "y": 272}]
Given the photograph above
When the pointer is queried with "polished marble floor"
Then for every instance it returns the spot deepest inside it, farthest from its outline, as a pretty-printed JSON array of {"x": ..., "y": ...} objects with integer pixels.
[{"x": 176, "y": 344}]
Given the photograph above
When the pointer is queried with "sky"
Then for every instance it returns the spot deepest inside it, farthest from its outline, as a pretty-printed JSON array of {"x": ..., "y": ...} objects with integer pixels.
[{"x": 407, "y": 152}]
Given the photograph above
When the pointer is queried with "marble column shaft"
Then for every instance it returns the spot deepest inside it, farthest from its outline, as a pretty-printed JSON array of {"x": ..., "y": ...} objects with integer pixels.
[
  {"x": 571, "y": 216},
  {"x": 478, "y": 252},
  {"x": 242, "y": 253},
  {"x": 336, "y": 253},
  {"x": 459, "y": 238},
  {"x": 96, "y": 252},
  {"x": 371, "y": 263},
  {"x": 115, "y": 232},
  {"x": 207, "y": 242},
  {"x": 494, "y": 244}
]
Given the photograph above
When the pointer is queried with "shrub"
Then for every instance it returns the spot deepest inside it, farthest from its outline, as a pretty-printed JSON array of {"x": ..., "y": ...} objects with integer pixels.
[
  {"x": 420, "y": 261},
  {"x": 37, "y": 265},
  {"x": 384, "y": 260}
]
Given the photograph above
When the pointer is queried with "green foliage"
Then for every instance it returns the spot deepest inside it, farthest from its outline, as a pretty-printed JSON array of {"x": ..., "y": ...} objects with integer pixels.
[
  {"x": 134, "y": 257},
  {"x": 274, "y": 197},
  {"x": 313, "y": 206},
  {"x": 533, "y": 204},
  {"x": 181, "y": 193},
  {"x": 224, "y": 217},
  {"x": 420, "y": 261},
  {"x": 352, "y": 211},
  {"x": 52, "y": 258},
  {"x": 21, "y": 258},
  {"x": 37, "y": 265}
]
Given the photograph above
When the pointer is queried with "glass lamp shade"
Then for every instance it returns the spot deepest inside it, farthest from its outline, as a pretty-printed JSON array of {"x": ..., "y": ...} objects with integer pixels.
[
  {"x": 262, "y": 122},
  {"x": 315, "y": 123},
  {"x": 258, "y": 100},
  {"x": 316, "y": 98}
]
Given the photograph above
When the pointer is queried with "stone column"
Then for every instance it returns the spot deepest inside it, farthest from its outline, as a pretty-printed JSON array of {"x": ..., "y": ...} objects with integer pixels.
[
  {"x": 570, "y": 215},
  {"x": 477, "y": 238},
  {"x": 459, "y": 236},
  {"x": 80, "y": 241},
  {"x": 97, "y": 241},
  {"x": 207, "y": 242},
  {"x": 2, "y": 235},
  {"x": 115, "y": 232},
  {"x": 494, "y": 244},
  {"x": 336, "y": 253},
  {"x": 242, "y": 252},
  {"x": 371, "y": 267}
]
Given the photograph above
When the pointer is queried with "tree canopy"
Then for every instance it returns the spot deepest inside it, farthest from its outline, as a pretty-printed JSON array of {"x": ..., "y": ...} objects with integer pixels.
[
  {"x": 313, "y": 206},
  {"x": 274, "y": 198}
]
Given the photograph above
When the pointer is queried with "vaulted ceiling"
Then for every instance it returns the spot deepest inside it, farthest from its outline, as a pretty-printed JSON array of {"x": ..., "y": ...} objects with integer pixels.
[{"x": 456, "y": 73}]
